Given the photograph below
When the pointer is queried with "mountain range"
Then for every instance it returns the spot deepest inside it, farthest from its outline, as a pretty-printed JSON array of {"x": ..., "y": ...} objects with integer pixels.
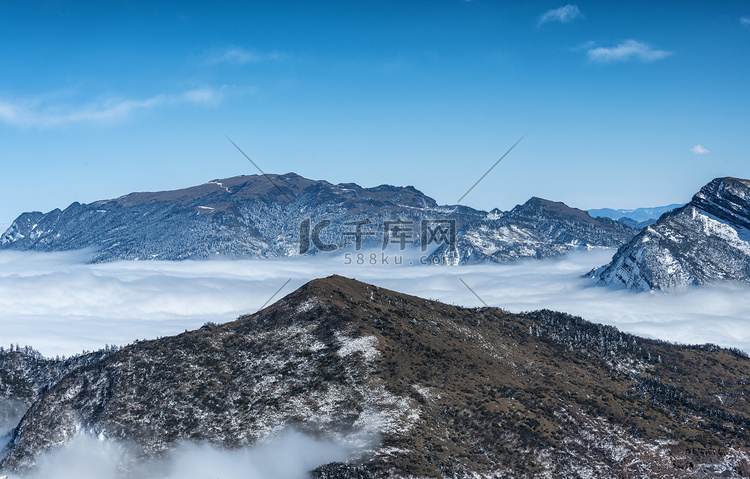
[
  {"x": 443, "y": 391},
  {"x": 637, "y": 218},
  {"x": 288, "y": 215},
  {"x": 260, "y": 216},
  {"x": 705, "y": 241}
]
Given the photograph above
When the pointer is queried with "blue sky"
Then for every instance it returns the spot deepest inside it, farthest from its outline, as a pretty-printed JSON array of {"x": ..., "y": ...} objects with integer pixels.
[{"x": 623, "y": 104}]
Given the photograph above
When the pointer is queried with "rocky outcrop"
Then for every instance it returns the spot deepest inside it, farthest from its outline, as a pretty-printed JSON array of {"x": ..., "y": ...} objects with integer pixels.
[{"x": 705, "y": 241}]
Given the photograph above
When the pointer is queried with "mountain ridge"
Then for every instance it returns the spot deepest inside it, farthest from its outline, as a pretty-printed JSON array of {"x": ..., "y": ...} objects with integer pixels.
[
  {"x": 706, "y": 240},
  {"x": 538, "y": 229},
  {"x": 277, "y": 215}
]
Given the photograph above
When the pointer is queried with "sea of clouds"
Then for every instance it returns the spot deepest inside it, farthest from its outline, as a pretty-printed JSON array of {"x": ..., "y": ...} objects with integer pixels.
[{"x": 60, "y": 304}]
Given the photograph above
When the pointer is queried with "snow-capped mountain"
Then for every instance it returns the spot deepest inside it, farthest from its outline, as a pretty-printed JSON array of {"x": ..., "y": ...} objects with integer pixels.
[
  {"x": 288, "y": 215},
  {"x": 706, "y": 240},
  {"x": 445, "y": 391},
  {"x": 244, "y": 216},
  {"x": 537, "y": 229}
]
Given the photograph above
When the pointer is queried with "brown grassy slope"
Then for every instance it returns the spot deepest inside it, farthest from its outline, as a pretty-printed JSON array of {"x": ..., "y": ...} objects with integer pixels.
[{"x": 496, "y": 386}]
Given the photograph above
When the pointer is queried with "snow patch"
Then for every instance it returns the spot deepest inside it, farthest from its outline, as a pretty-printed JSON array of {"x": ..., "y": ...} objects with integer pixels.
[
  {"x": 219, "y": 184},
  {"x": 307, "y": 305},
  {"x": 365, "y": 345},
  {"x": 425, "y": 393}
]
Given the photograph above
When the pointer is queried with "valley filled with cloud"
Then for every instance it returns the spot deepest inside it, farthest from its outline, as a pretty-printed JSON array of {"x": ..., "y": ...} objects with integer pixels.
[{"x": 61, "y": 305}]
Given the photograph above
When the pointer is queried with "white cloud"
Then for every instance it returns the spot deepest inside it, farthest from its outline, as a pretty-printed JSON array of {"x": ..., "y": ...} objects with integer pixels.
[
  {"x": 564, "y": 14},
  {"x": 290, "y": 455},
  {"x": 700, "y": 150},
  {"x": 627, "y": 50},
  {"x": 203, "y": 96},
  {"x": 745, "y": 21},
  {"x": 235, "y": 55},
  {"x": 38, "y": 113},
  {"x": 61, "y": 305},
  {"x": 241, "y": 56}
]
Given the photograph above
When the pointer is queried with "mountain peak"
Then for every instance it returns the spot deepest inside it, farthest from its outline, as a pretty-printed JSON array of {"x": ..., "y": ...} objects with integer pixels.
[
  {"x": 727, "y": 199},
  {"x": 555, "y": 209},
  {"x": 336, "y": 282},
  {"x": 342, "y": 292},
  {"x": 330, "y": 287},
  {"x": 705, "y": 241}
]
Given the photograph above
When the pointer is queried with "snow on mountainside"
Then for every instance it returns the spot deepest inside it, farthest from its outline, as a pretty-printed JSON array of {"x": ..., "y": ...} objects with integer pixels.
[
  {"x": 537, "y": 229},
  {"x": 450, "y": 392},
  {"x": 704, "y": 241},
  {"x": 246, "y": 216},
  {"x": 250, "y": 216}
]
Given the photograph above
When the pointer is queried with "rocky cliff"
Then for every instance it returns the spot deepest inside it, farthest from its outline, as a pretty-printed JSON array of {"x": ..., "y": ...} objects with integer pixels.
[{"x": 705, "y": 241}]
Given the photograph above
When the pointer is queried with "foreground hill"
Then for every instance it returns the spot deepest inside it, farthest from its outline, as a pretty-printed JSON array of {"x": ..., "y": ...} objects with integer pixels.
[
  {"x": 250, "y": 216},
  {"x": 706, "y": 240},
  {"x": 449, "y": 392}
]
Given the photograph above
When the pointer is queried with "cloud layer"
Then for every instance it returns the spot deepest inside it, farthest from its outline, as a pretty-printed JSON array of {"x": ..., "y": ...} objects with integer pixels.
[
  {"x": 626, "y": 51},
  {"x": 60, "y": 305},
  {"x": 37, "y": 113},
  {"x": 564, "y": 14}
]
